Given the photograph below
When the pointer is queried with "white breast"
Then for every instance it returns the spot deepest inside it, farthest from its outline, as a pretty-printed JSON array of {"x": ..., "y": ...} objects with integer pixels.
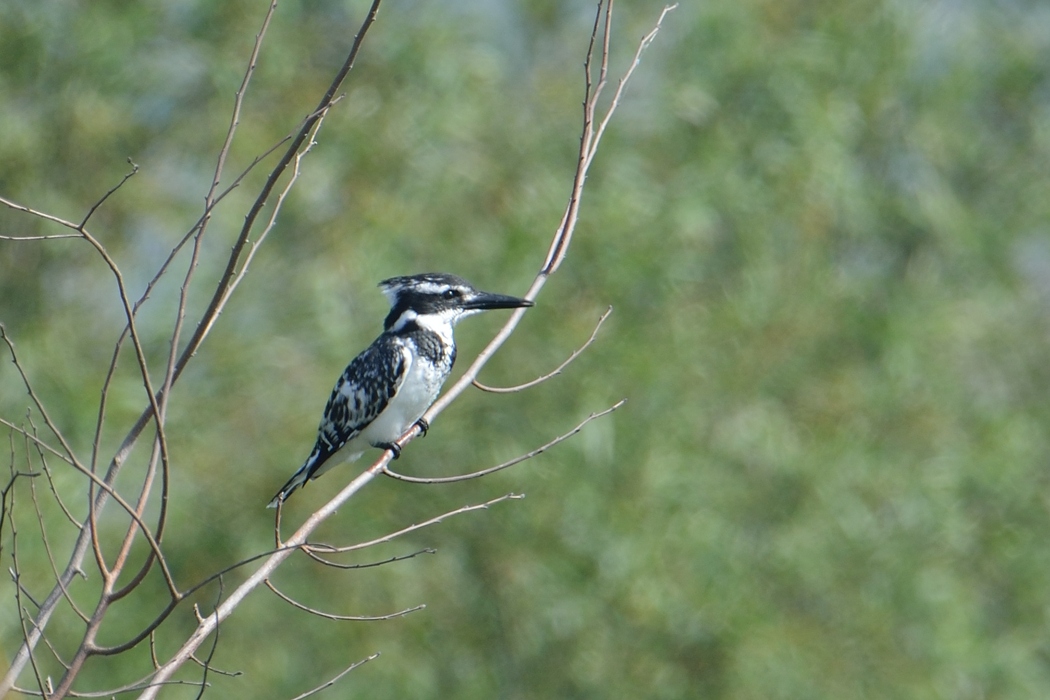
[{"x": 420, "y": 389}]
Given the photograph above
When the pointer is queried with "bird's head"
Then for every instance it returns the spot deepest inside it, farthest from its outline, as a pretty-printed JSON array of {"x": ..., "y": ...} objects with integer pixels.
[{"x": 438, "y": 298}]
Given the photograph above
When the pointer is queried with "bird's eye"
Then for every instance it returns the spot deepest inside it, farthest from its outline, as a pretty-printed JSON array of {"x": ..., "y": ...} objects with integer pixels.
[{"x": 450, "y": 293}]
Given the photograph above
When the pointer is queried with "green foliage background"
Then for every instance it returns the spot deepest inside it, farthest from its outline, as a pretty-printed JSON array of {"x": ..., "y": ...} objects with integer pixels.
[{"x": 822, "y": 226}]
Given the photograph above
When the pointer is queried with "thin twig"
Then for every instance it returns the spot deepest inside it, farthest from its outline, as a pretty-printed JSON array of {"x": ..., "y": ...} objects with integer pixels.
[
  {"x": 557, "y": 370},
  {"x": 212, "y": 669},
  {"x": 642, "y": 46},
  {"x": 42, "y": 215},
  {"x": 52, "y": 237},
  {"x": 206, "y": 664},
  {"x": 70, "y": 456},
  {"x": 46, "y": 540},
  {"x": 100, "y": 202},
  {"x": 341, "y": 618},
  {"x": 214, "y": 308},
  {"x": 201, "y": 331},
  {"x": 336, "y": 565},
  {"x": 330, "y": 549},
  {"x": 16, "y": 575},
  {"x": 517, "y": 460},
  {"x": 109, "y": 693},
  {"x": 50, "y": 479},
  {"x": 330, "y": 683}
]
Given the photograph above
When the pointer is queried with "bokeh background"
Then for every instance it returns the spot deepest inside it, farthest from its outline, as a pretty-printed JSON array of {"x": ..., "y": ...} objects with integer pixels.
[{"x": 823, "y": 229}]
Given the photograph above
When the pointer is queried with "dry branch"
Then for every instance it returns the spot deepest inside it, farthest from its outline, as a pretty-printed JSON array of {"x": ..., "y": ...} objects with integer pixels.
[
  {"x": 553, "y": 373},
  {"x": 556, "y": 253},
  {"x": 510, "y": 463},
  {"x": 101, "y": 491},
  {"x": 342, "y": 618}
]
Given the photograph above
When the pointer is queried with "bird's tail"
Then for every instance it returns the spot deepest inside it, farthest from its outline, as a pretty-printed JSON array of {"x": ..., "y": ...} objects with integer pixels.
[{"x": 298, "y": 479}]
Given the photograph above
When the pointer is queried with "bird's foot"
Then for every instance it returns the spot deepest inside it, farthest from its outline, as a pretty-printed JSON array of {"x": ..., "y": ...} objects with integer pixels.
[
  {"x": 392, "y": 446},
  {"x": 424, "y": 426}
]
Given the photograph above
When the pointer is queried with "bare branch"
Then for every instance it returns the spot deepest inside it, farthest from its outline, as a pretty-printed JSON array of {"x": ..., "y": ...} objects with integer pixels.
[
  {"x": 342, "y": 618},
  {"x": 254, "y": 247},
  {"x": 39, "y": 214},
  {"x": 336, "y": 565},
  {"x": 329, "y": 549},
  {"x": 156, "y": 399},
  {"x": 264, "y": 572},
  {"x": 212, "y": 669},
  {"x": 240, "y": 258},
  {"x": 109, "y": 693},
  {"x": 206, "y": 664},
  {"x": 35, "y": 238},
  {"x": 557, "y": 370},
  {"x": 235, "y": 118},
  {"x": 560, "y": 243},
  {"x": 99, "y": 203},
  {"x": 642, "y": 46},
  {"x": 517, "y": 460},
  {"x": 218, "y": 299},
  {"x": 47, "y": 545},
  {"x": 16, "y": 575},
  {"x": 51, "y": 480},
  {"x": 37, "y": 441},
  {"x": 69, "y": 456},
  {"x": 333, "y": 681}
]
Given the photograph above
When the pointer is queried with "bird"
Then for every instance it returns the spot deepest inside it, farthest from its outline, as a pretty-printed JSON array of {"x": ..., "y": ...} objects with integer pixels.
[{"x": 390, "y": 385}]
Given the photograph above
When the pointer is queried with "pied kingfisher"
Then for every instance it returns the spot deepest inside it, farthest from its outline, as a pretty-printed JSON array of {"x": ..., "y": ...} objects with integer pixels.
[{"x": 389, "y": 386}]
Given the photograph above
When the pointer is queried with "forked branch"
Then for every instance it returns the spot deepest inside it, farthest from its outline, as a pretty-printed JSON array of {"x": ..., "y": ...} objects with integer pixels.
[{"x": 559, "y": 245}]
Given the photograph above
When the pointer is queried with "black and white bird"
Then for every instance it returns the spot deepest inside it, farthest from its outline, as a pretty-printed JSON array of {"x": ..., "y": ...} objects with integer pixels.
[{"x": 389, "y": 386}]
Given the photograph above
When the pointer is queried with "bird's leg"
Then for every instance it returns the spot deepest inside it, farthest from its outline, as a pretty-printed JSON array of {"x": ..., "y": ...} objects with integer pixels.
[{"x": 424, "y": 426}]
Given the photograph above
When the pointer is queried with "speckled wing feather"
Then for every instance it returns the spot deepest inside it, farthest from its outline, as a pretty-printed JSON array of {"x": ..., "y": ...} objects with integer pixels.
[{"x": 362, "y": 392}]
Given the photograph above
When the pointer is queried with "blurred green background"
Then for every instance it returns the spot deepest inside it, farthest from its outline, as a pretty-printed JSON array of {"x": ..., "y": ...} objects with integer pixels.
[{"x": 822, "y": 226}]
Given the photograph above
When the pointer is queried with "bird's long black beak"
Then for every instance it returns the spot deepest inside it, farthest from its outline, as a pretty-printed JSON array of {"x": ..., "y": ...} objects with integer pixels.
[{"x": 483, "y": 301}]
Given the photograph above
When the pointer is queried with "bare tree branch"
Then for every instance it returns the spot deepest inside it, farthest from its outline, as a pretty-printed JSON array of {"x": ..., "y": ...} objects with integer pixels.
[
  {"x": 52, "y": 237},
  {"x": 557, "y": 370},
  {"x": 343, "y": 618},
  {"x": 330, "y": 683},
  {"x": 50, "y": 479},
  {"x": 330, "y": 549},
  {"x": 589, "y": 143},
  {"x": 157, "y": 400},
  {"x": 112, "y": 564},
  {"x": 335, "y": 565},
  {"x": 114, "y": 188},
  {"x": 558, "y": 248},
  {"x": 517, "y": 460},
  {"x": 69, "y": 455}
]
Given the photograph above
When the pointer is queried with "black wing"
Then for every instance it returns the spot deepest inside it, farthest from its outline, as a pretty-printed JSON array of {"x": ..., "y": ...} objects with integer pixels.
[{"x": 360, "y": 395}]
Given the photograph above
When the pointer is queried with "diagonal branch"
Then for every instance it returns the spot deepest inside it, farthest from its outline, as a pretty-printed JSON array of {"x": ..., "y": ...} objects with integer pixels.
[
  {"x": 329, "y": 549},
  {"x": 499, "y": 467},
  {"x": 202, "y": 329},
  {"x": 555, "y": 372},
  {"x": 330, "y": 683},
  {"x": 341, "y": 618},
  {"x": 308, "y": 551}
]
